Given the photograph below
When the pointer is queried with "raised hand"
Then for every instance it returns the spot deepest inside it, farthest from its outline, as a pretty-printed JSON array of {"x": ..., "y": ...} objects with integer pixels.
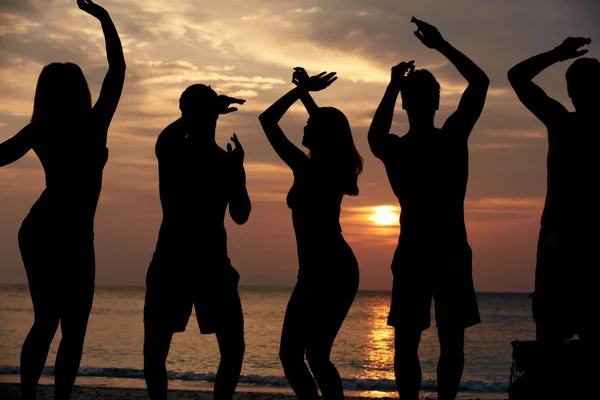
[
  {"x": 92, "y": 8},
  {"x": 236, "y": 155},
  {"x": 569, "y": 48},
  {"x": 399, "y": 71},
  {"x": 314, "y": 83},
  {"x": 427, "y": 34},
  {"x": 300, "y": 76},
  {"x": 224, "y": 103}
]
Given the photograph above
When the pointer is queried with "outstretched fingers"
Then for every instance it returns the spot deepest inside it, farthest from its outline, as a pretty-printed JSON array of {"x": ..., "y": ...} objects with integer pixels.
[
  {"x": 581, "y": 41},
  {"x": 420, "y": 23},
  {"x": 419, "y": 35},
  {"x": 329, "y": 76},
  {"x": 236, "y": 141}
]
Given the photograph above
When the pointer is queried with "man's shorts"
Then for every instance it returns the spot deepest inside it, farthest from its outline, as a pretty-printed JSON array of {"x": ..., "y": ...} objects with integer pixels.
[
  {"x": 421, "y": 274},
  {"x": 565, "y": 299},
  {"x": 174, "y": 286}
]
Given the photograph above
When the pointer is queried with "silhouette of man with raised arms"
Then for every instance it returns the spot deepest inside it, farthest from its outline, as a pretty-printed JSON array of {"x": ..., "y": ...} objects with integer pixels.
[
  {"x": 190, "y": 266},
  {"x": 565, "y": 297},
  {"x": 428, "y": 169}
]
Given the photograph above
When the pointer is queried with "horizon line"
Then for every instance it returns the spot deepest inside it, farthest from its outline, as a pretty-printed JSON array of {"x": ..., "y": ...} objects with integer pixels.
[{"x": 131, "y": 286}]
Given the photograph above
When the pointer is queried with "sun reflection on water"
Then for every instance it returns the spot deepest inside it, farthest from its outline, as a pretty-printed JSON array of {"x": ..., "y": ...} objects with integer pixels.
[{"x": 380, "y": 347}]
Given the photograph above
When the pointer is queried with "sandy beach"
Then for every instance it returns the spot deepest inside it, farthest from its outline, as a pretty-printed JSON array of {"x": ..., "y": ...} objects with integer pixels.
[{"x": 11, "y": 391}]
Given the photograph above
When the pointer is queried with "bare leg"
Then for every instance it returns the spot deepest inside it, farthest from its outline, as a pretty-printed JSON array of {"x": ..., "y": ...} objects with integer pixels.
[
  {"x": 451, "y": 362},
  {"x": 79, "y": 278},
  {"x": 407, "y": 366},
  {"x": 46, "y": 308},
  {"x": 35, "y": 351},
  {"x": 68, "y": 358},
  {"x": 156, "y": 349},
  {"x": 323, "y": 336},
  {"x": 318, "y": 356},
  {"x": 232, "y": 347},
  {"x": 293, "y": 347}
]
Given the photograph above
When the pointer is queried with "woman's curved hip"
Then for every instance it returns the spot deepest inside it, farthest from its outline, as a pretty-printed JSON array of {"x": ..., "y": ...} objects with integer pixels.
[{"x": 60, "y": 266}]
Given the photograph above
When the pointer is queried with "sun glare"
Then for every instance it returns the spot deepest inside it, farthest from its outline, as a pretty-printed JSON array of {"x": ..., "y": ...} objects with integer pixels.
[{"x": 385, "y": 215}]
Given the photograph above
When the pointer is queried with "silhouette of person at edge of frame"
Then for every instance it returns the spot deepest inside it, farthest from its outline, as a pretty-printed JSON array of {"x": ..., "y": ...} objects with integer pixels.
[
  {"x": 190, "y": 265},
  {"x": 328, "y": 271},
  {"x": 56, "y": 238},
  {"x": 428, "y": 171},
  {"x": 565, "y": 288}
]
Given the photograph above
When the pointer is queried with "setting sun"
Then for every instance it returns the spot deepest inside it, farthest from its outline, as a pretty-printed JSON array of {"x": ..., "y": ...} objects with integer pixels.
[{"x": 385, "y": 215}]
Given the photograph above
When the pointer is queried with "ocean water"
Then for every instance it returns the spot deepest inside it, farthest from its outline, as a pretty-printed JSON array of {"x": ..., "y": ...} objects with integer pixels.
[{"x": 363, "y": 351}]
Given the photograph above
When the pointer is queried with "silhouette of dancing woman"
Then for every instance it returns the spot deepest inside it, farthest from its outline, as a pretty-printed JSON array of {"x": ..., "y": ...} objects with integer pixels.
[
  {"x": 57, "y": 237},
  {"x": 427, "y": 169},
  {"x": 328, "y": 274},
  {"x": 565, "y": 288},
  {"x": 190, "y": 266}
]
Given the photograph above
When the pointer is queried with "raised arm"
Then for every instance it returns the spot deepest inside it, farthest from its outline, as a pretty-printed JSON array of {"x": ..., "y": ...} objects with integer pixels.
[
  {"x": 473, "y": 98},
  {"x": 379, "y": 132},
  {"x": 546, "y": 109},
  {"x": 107, "y": 102},
  {"x": 300, "y": 78},
  {"x": 269, "y": 119},
  {"x": 17, "y": 146},
  {"x": 239, "y": 201}
]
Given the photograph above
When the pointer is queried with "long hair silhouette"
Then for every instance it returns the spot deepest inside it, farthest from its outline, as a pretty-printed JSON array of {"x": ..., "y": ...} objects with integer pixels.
[
  {"x": 328, "y": 272},
  {"x": 56, "y": 238},
  {"x": 333, "y": 150},
  {"x": 62, "y": 94}
]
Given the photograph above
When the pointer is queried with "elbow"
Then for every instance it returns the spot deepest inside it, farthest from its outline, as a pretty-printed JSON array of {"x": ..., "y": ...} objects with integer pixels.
[
  {"x": 480, "y": 80},
  {"x": 267, "y": 121},
  {"x": 373, "y": 138},
  {"x": 263, "y": 118},
  {"x": 241, "y": 218},
  {"x": 375, "y": 148},
  {"x": 485, "y": 80},
  {"x": 241, "y": 213},
  {"x": 118, "y": 66},
  {"x": 513, "y": 76}
]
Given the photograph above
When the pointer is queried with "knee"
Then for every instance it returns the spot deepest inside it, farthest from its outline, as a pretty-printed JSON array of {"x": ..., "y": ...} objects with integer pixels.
[
  {"x": 317, "y": 358},
  {"x": 44, "y": 329},
  {"x": 290, "y": 356},
  {"x": 74, "y": 332},
  {"x": 406, "y": 345},
  {"x": 452, "y": 343},
  {"x": 234, "y": 352}
]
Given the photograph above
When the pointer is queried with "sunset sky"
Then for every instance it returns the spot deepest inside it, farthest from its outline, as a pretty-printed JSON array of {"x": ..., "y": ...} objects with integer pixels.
[{"x": 247, "y": 49}]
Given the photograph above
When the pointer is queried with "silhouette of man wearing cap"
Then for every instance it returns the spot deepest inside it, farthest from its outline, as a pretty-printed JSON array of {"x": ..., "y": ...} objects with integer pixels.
[{"x": 190, "y": 266}]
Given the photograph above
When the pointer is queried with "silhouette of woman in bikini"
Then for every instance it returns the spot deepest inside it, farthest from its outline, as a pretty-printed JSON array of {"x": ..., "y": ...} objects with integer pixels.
[
  {"x": 57, "y": 237},
  {"x": 328, "y": 274}
]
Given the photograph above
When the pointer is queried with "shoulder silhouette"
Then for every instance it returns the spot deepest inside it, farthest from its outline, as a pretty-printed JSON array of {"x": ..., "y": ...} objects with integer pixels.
[
  {"x": 56, "y": 239},
  {"x": 328, "y": 270},
  {"x": 428, "y": 170},
  {"x": 190, "y": 268}
]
